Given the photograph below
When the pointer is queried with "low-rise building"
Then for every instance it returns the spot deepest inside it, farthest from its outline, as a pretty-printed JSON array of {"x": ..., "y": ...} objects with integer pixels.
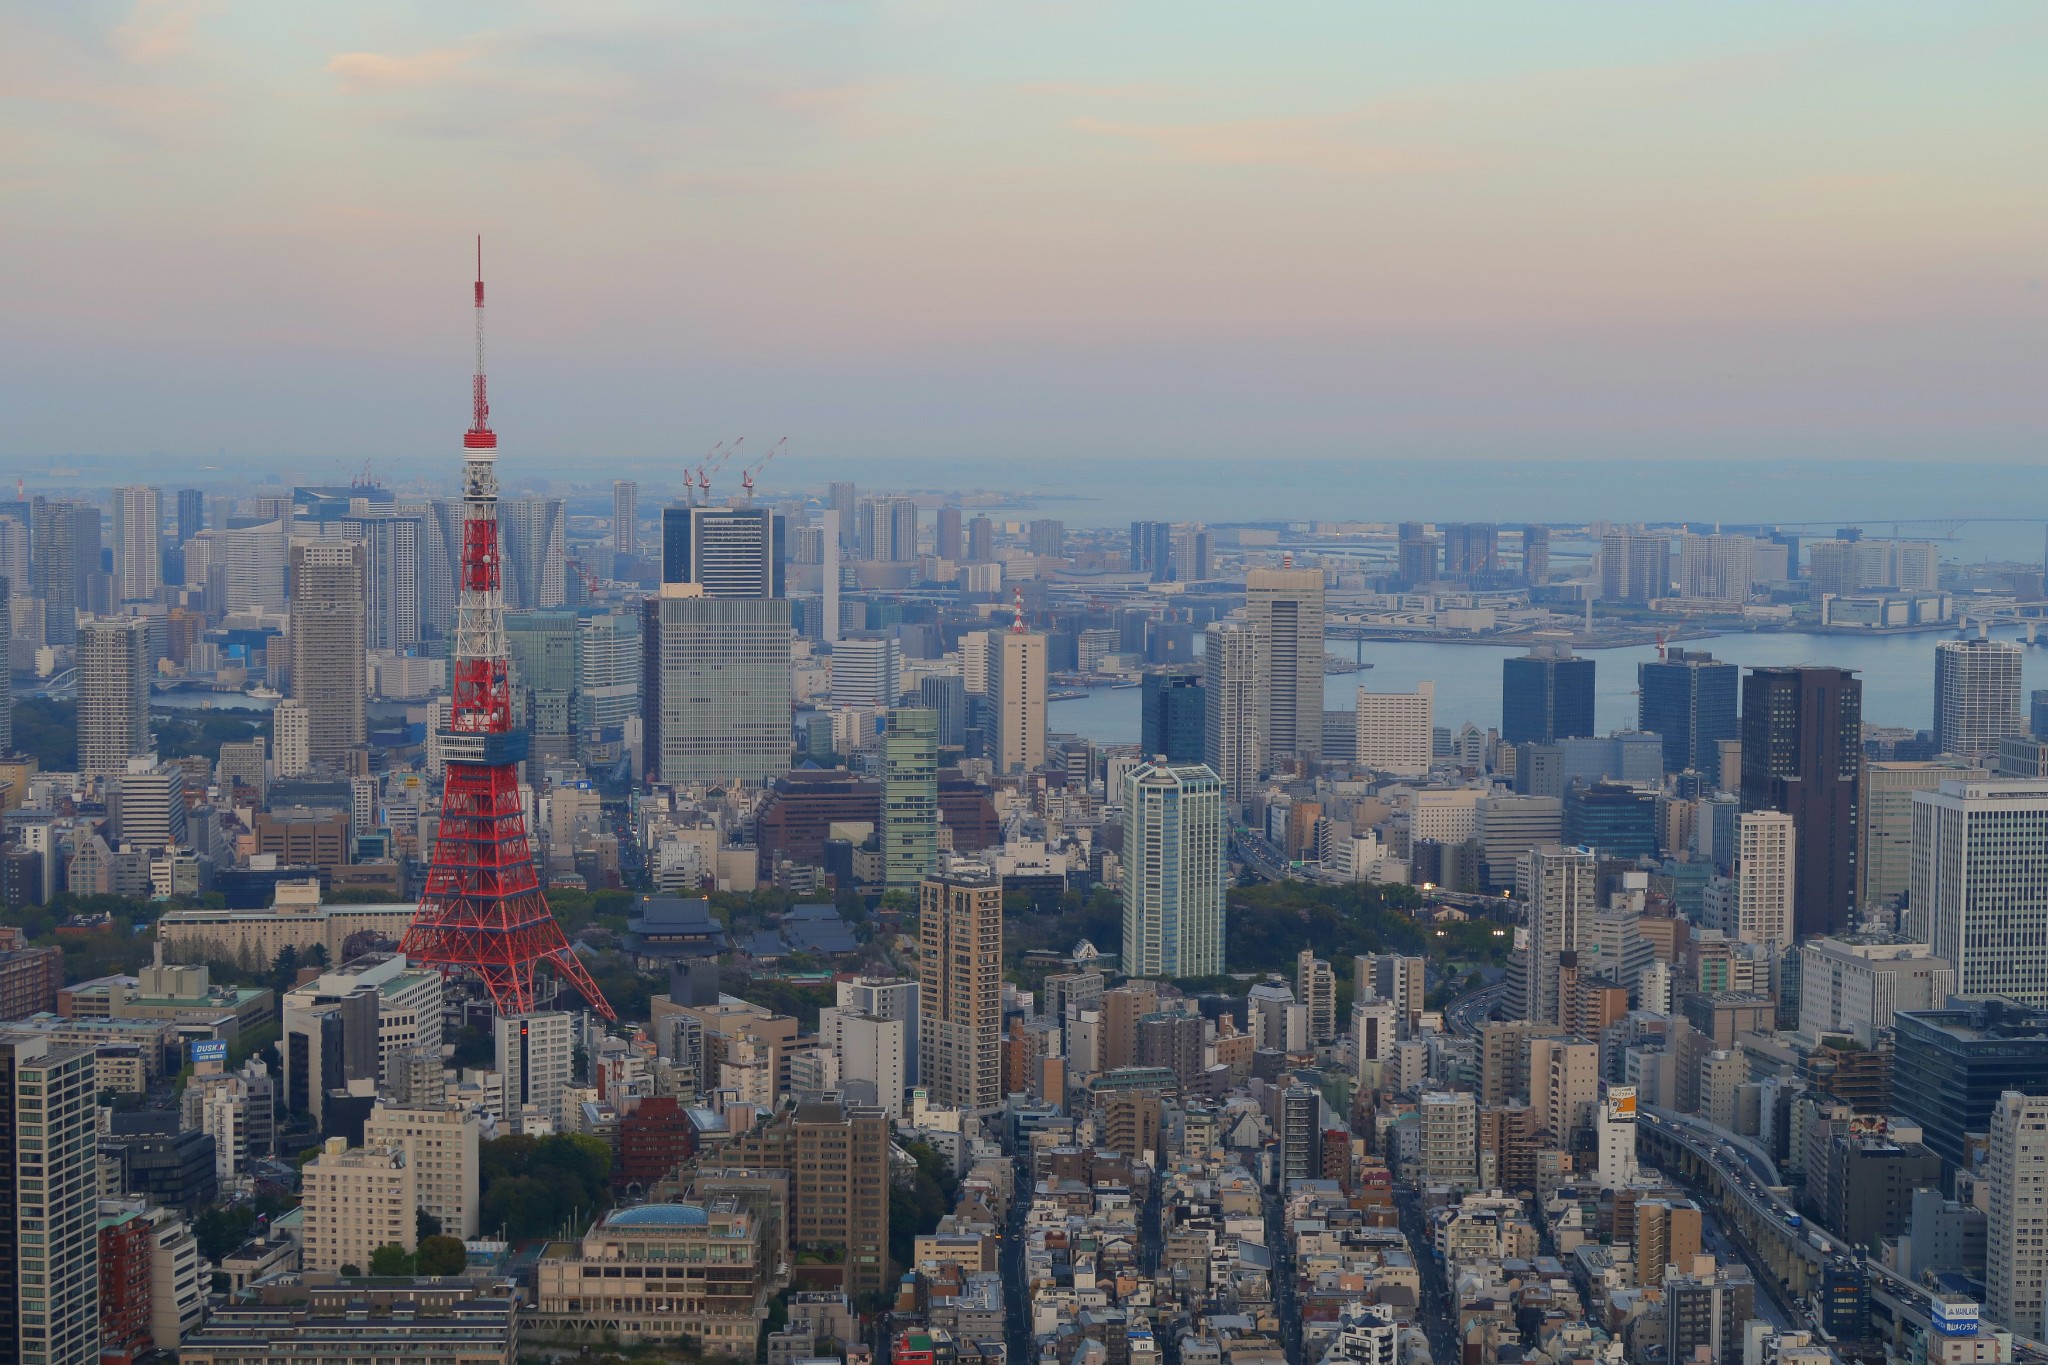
[{"x": 659, "y": 1272}]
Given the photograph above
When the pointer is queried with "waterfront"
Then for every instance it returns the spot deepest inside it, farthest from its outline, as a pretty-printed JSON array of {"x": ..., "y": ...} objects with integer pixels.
[{"x": 1897, "y": 673}]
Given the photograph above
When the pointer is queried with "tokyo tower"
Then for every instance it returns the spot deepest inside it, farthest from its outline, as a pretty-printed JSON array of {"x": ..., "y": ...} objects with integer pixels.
[{"x": 483, "y": 910}]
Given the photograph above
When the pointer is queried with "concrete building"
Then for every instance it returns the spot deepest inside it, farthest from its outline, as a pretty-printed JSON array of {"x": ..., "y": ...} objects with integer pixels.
[
  {"x": 1284, "y": 610},
  {"x": 1634, "y": 569},
  {"x": 1509, "y": 826},
  {"x": 1802, "y": 753},
  {"x": 1976, "y": 697},
  {"x": 1016, "y": 692},
  {"x": 625, "y": 518},
  {"x": 1175, "y": 871},
  {"x": 910, "y": 798},
  {"x": 327, "y": 650},
  {"x": 1980, "y": 884},
  {"x": 292, "y": 732},
  {"x": 536, "y": 1053},
  {"x": 355, "y": 1201},
  {"x": 715, "y": 687},
  {"x": 138, "y": 544},
  {"x": 873, "y": 1053},
  {"x": 1885, "y": 828},
  {"x": 1315, "y": 985},
  {"x": 708, "y": 1281},
  {"x": 115, "y": 664},
  {"x": 1391, "y": 977},
  {"x": 2016, "y": 1230},
  {"x": 1765, "y": 864},
  {"x": 1853, "y": 987},
  {"x": 49, "y": 1131},
  {"x": 1234, "y": 742},
  {"x": 440, "y": 1146},
  {"x": 960, "y": 925},
  {"x": 836, "y": 1156},
  {"x": 1560, "y": 886},
  {"x": 1394, "y": 730},
  {"x": 1450, "y": 1138}
]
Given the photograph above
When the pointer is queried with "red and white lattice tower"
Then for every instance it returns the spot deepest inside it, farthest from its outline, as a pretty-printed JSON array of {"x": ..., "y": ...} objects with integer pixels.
[{"x": 483, "y": 911}]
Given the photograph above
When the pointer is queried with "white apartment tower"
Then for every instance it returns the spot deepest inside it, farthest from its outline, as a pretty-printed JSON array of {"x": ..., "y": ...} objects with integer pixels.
[
  {"x": 1561, "y": 888},
  {"x": 535, "y": 1053},
  {"x": 356, "y": 1201},
  {"x": 1764, "y": 871},
  {"x": 114, "y": 667},
  {"x": 2016, "y": 1230},
  {"x": 1284, "y": 608},
  {"x": 1234, "y": 716},
  {"x": 1016, "y": 690},
  {"x": 1976, "y": 696},
  {"x": 1175, "y": 874},
  {"x": 138, "y": 544}
]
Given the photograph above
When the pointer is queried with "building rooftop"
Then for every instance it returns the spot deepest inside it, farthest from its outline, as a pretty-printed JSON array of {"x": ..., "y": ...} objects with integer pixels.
[{"x": 659, "y": 1215}]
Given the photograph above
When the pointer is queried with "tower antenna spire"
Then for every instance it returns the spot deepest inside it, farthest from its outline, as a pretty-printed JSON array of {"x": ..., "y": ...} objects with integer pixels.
[{"x": 479, "y": 436}]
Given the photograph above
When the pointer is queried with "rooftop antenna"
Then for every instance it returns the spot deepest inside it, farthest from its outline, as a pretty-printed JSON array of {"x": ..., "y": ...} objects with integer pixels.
[{"x": 1017, "y": 621}]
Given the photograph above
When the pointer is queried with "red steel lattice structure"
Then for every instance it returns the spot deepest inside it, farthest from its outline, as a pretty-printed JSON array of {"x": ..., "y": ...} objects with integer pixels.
[{"x": 482, "y": 910}]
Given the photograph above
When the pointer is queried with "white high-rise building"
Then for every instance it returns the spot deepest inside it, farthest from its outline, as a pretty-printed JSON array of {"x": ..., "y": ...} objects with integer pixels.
[
  {"x": 356, "y": 1201},
  {"x": 50, "y": 1220},
  {"x": 625, "y": 517},
  {"x": 1976, "y": 696},
  {"x": 440, "y": 1145},
  {"x": 1394, "y": 730},
  {"x": 292, "y": 738},
  {"x": 1716, "y": 566},
  {"x": 1233, "y": 713},
  {"x": 974, "y": 647},
  {"x": 1617, "y": 1131},
  {"x": 1016, "y": 695},
  {"x": 535, "y": 1053},
  {"x": 885, "y": 998},
  {"x": 1450, "y": 1138},
  {"x": 1284, "y": 608},
  {"x": 1980, "y": 884},
  {"x": 1375, "y": 1027},
  {"x": 873, "y": 1054},
  {"x": 1856, "y": 988},
  {"x": 1765, "y": 842},
  {"x": 1175, "y": 872},
  {"x": 2016, "y": 1228},
  {"x": 867, "y": 671},
  {"x": 1560, "y": 885},
  {"x": 114, "y": 667},
  {"x": 138, "y": 544}
]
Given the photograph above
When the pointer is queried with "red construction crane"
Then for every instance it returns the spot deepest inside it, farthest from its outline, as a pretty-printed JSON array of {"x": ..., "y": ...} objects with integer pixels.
[
  {"x": 747, "y": 479},
  {"x": 718, "y": 456}
]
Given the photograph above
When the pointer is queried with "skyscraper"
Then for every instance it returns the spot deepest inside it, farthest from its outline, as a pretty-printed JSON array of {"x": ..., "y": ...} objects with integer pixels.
[
  {"x": 981, "y": 540},
  {"x": 715, "y": 693},
  {"x": 1980, "y": 884},
  {"x": 1634, "y": 569},
  {"x": 960, "y": 990},
  {"x": 1471, "y": 548},
  {"x": 1233, "y": 717},
  {"x": 535, "y": 555},
  {"x": 138, "y": 543},
  {"x": 1415, "y": 558},
  {"x": 393, "y": 596},
  {"x": 1152, "y": 549},
  {"x": 625, "y": 517},
  {"x": 949, "y": 542},
  {"x": 1546, "y": 695},
  {"x": 1016, "y": 689},
  {"x": 1688, "y": 699},
  {"x": 945, "y": 696},
  {"x": 1048, "y": 537},
  {"x": 191, "y": 513},
  {"x": 728, "y": 551},
  {"x": 867, "y": 671},
  {"x": 49, "y": 1220},
  {"x": 1284, "y": 608},
  {"x": 1976, "y": 696},
  {"x": 1765, "y": 867},
  {"x": 1536, "y": 555},
  {"x": 114, "y": 666},
  {"x": 1802, "y": 753},
  {"x": 1716, "y": 566},
  {"x": 1561, "y": 886},
  {"x": 1394, "y": 730},
  {"x": 609, "y": 665},
  {"x": 2016, "y": 1228},
  {"x": 845, "y": 500},
  {"x": 327, "y": 644},
  {"x": 1174, "y": 873},
  {"x": 910, "y": 798},
  {"x": 64, "y": 548},
  {"x": 1171, "y": 720},
  {"x": 7, "y": 591}
]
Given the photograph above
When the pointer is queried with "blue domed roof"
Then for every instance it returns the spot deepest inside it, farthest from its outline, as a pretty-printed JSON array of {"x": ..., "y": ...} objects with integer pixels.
[{"x": 658, "y": 1215}]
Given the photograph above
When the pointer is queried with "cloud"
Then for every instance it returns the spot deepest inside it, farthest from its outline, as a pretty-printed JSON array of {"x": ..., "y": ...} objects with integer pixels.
[
  {"x": 1328, "y": 143},
  {"x": 156, "y": 30},
  {"x": 363, "y": 71}
]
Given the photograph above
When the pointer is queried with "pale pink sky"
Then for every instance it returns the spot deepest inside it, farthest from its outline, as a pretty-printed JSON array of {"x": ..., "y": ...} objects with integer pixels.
[{"x": 1354, "y": 230}]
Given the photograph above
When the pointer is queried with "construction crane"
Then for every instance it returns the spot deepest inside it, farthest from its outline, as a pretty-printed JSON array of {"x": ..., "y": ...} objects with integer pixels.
[
  {"x": 591, "y": 586},
  {"x": 718, "y": 456},
  {"x": 747, "y": 478}
]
